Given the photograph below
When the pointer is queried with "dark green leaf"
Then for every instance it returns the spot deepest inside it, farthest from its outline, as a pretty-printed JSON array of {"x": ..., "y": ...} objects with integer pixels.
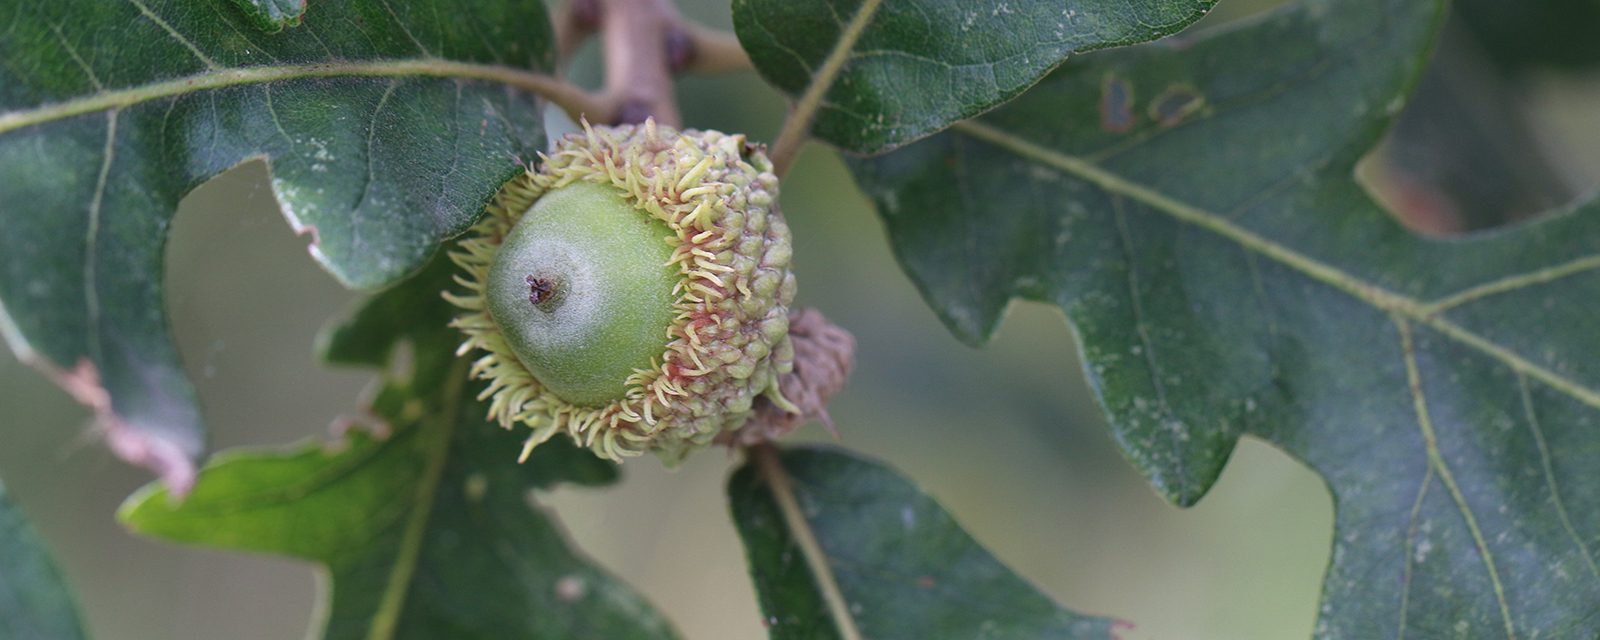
[
  {"x": 918, "y": 65},
  {"x": 273, "y": 15},
  {"x": 1535, "y": 33},
  {"x": 386, "y": 125},
  {"x": 1226, "y": 275},
  {"x": 904, "y": 568},
  {"x": 34, "y": 602},
  {"x": 426, "y": 528}
]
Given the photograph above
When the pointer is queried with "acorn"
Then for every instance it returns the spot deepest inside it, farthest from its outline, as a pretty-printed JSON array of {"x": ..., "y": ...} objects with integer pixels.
[{"x": 632, "y": 291}]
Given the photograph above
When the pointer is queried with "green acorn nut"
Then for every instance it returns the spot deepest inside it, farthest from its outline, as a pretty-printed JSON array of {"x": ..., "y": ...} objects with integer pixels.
[{"x": 632, "y": 292}]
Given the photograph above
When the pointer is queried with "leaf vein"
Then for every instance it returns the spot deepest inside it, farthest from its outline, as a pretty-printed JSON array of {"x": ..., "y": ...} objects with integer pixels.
[
  {"x": 272, "y": 112},
  {"x": 1141, "y": 327},
  {"x": 423, "y": 49},
  {"x": 1259, "y": 285},
  {"x": 1436, "y": 460},
  {"x": 1410, "y": 551},
  {"x": 1515, "y": 282},
  {"x": 1372, "y": 294},
  {"x": 73, "y": 52},
  {"x": 1550, "y": 474},
  {"x": 223, "y": 78},
  {"x": 366, "y": 186},
  {"x": 180, "y": 38},
  {"x": 91, "y": 241},
  {"x": 386, "y": 621},
  {"x": 446, "y": 178}
]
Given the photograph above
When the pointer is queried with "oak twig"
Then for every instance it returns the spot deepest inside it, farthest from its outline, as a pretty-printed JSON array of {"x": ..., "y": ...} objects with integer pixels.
[
  {"x": 574, "y": 22},
  {"x": 633, "y": 35},
  {"x": 644, "y": 42},
  {"x": 714, "y": 50}
]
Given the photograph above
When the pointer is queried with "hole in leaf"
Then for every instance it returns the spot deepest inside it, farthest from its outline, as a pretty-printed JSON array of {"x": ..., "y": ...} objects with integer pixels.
[{"x": 1481, "y": 145}]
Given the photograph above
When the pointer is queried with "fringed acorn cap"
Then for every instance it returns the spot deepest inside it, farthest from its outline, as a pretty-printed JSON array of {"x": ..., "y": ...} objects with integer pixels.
[{"x": 632, "y": 292}]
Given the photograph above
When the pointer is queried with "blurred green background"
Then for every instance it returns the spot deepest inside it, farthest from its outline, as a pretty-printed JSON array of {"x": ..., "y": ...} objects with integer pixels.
[{"x": 1007, "y": 437}]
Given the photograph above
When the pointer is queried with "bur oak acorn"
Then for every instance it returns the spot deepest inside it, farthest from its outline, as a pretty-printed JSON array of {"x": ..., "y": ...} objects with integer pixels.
[{"x": 631, "y": 292}]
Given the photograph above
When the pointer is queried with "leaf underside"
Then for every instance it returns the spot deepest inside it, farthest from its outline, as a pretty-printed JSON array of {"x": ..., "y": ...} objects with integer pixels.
[
  {"x": 427, "y": 530},
  {"x": 34, "y": 601},
  {"x": 386, "y": 125},
  {"x": 906, "y": 569},
  {"x": 919, "y": 65},
  {"x": 1192, "y": 208}
]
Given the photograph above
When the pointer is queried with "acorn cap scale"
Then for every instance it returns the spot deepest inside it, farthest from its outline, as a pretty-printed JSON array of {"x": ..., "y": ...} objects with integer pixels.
[{"x": 632, "y": 292}]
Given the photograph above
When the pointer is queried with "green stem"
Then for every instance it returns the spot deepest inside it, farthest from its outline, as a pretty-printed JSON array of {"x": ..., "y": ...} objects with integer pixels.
[
  {"x": 797, "y": 127},
  {"x": 778, "y": 480}
]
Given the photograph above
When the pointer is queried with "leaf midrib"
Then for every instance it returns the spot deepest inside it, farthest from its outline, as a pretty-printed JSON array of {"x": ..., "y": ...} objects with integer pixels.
[
  {"x": 1379, "y": 297},
  {"x": 437, "y": 440},
  {"x": 769, "y": 465},
  {"x": 98, "y": 101}
]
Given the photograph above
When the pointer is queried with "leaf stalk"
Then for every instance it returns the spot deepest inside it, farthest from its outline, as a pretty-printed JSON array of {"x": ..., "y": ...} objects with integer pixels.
[
  {"x": 797, "y": 127},
  {"x": 782, "y": 486}
]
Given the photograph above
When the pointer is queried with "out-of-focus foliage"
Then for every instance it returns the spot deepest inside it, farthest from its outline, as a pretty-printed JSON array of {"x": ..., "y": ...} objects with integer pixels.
[
  {"x": 1535, "y": 33},
  {"x": 34, "y": 602}
]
